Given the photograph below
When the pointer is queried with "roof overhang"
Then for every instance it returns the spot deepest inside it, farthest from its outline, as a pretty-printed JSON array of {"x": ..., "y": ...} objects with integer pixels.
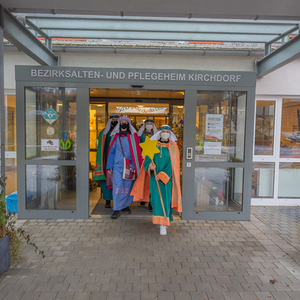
[{"x": 232, "y": 9}]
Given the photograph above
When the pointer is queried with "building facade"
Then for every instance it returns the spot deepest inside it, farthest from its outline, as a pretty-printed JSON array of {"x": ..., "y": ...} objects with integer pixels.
[{"x": 218, "y": 183}]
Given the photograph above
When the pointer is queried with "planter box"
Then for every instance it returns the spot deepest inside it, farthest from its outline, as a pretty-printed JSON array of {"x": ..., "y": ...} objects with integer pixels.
[{"x": 4, "y": 254}]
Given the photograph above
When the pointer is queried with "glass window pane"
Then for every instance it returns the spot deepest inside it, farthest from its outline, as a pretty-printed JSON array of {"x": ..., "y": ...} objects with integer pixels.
[
  {"x": 10, "y": 144},
  {"x": 264, "y": 127},
  {"x": 289, "y": 178},
  {"x": 220, "y": 126},
  {"x": 262, "y": 180},
  {"x": 290, "y": 128},
  {"x": 51, "y": 187},
  {"x": 218, "y": 189},
  {"x": 50, "y": 123}
]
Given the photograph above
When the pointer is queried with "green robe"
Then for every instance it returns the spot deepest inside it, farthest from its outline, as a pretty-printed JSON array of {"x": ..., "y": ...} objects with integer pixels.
[
  {"x": 106, "y": 193},
  {"x": 144, "y": 135},
  {"x": 163, "y": 164}
]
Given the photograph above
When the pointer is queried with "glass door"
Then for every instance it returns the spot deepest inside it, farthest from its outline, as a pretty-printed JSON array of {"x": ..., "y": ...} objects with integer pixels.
[
  {"x": 50, "y": 148},
  {"x": 220, "y": 159}
]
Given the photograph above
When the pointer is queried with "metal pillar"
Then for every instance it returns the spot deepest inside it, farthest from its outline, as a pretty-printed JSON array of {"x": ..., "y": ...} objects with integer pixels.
[{"x": 2, "y": 130}]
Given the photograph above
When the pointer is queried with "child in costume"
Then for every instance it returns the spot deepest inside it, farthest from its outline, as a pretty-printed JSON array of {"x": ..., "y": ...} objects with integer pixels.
[{"x": 166, "y": 166}]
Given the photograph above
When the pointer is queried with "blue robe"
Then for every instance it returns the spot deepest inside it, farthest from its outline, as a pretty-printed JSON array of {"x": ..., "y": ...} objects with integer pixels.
[{"x": 121, "y": 188}]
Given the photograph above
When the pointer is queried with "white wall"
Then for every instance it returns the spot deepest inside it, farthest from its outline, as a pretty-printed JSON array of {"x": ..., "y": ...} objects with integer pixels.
[
  {"x": 150, "y": 61},
  {"x": 284, "y": 81},
  {"x": 11, "y": 59}
]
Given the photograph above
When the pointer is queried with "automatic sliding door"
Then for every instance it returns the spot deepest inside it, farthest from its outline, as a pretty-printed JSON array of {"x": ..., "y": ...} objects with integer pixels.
[
  {"x": 217, "y": 168},
  {"x": 50, "y": 148}
]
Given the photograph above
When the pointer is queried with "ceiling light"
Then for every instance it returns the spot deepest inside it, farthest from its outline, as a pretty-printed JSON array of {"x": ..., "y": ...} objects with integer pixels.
[{"x": 100, "y": 105}]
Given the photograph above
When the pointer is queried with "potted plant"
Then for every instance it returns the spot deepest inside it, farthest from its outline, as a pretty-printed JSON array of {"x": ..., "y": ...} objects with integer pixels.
[{"x": 10, "y": 236}]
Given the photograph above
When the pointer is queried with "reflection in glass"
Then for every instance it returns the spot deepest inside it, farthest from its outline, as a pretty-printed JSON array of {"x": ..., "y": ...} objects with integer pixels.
[
  {"x": 220, "y": 126},
  {"x": 264, "y": 127},
  {"x": 139, "y": 112},
  {"x": 97, "y": 123},
  {"x": 50, "y": 123},
  {"x": 218, "y": 189},
  {"x": 288, "y": 182},
  {"x": 51, "y": 187},
  {"x": 262, "y": 180},
  {"x": 290, "y": 129}
]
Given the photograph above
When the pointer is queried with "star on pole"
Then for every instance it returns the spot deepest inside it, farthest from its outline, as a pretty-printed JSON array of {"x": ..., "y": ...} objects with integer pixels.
[{"x": 149, "y": 148}]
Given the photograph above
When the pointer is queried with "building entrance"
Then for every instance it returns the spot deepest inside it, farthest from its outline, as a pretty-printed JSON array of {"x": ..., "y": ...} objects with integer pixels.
[
  {"x": 62, "y": 110},
  {"x": 162, "y": 106}
]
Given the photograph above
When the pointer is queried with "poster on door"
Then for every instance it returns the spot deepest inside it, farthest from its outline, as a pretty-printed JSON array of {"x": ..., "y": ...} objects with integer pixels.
[
  {"x": 50, "y": 144},
  {"x": 214, "y": 126},
  {"x": 212, "y": 148}
]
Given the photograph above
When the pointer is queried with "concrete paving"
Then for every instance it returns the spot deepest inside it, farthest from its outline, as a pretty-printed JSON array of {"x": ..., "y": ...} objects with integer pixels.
[{"x": 128, "y": 259}]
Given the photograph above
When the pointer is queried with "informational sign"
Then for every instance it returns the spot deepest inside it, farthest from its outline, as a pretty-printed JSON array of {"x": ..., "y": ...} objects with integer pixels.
[
  {"x": 10, "y": 154},
  {"x": 50, "y": 115},
  {"x": 214, "y": 126},
  {"x": 212, "y": 148},
  {"x": 50, "y": 130},
  {"x": 142, "y": 110},
  {"x": 50, "y": 144}
]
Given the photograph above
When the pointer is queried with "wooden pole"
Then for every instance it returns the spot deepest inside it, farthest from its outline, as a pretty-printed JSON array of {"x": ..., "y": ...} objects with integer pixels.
[{"x": 162, "y": 204}]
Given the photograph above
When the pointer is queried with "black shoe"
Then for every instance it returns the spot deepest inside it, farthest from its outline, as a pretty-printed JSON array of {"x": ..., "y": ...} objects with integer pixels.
[
  {"x": 150, "y": 207},
  {"x": 127, "y": 210},
  {"x": 107, "y": 205},
  {"x": 116, "y": 214}
]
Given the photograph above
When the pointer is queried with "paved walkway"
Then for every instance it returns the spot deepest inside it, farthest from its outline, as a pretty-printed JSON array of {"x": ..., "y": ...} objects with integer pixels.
[{"x": 128, "y": 259}]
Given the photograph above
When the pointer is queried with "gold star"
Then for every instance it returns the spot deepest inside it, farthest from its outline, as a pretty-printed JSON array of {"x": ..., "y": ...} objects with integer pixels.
[{"x": 149, "y": 148}]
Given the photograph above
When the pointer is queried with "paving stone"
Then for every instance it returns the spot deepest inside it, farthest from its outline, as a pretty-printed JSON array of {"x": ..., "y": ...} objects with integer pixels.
[
  {"x": 264, "y": 296},
  {"x": 183, "y": 295},
  {"x": 81, "y": 296},
  {"x": 215, "y": 295},
  {"x": 248, "y": 296},
  {"x": 12, "y": 295},
  {"x": 281, "y": 296},
  {"x": 199, "y": 295},
  {"x": 165, "y": 295},
  {"x": 60, "y": 287},
  {"x": 198, "y": 256},
  {"x": 44, "y": 296},
  {"x": 232, "y": 296},
  {"x": 130, "y": 296},
  {"x": 294, "y": 295}
]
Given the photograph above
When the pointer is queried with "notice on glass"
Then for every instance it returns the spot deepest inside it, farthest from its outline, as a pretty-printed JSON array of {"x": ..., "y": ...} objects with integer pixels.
[
  {"x": 212, "y": 148},
  {"x": 50, "y": 144},
  {"x": 214, "y": 126}
]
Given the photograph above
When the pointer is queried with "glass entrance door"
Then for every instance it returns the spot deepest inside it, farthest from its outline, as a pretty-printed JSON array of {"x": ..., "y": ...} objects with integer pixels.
[{"x": 217, "y": 156}]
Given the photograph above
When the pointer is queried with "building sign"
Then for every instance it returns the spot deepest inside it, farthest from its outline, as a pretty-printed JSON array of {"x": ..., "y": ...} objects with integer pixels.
[
  {"x": 50, "y": 115},
  {"x": 144, "y": 76},
  {"x": 50, "y": 144},
  {"x": 214, "y": 126},
  {"x": 142, "y": 110},
  {"x": 136, "y": 76}
]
